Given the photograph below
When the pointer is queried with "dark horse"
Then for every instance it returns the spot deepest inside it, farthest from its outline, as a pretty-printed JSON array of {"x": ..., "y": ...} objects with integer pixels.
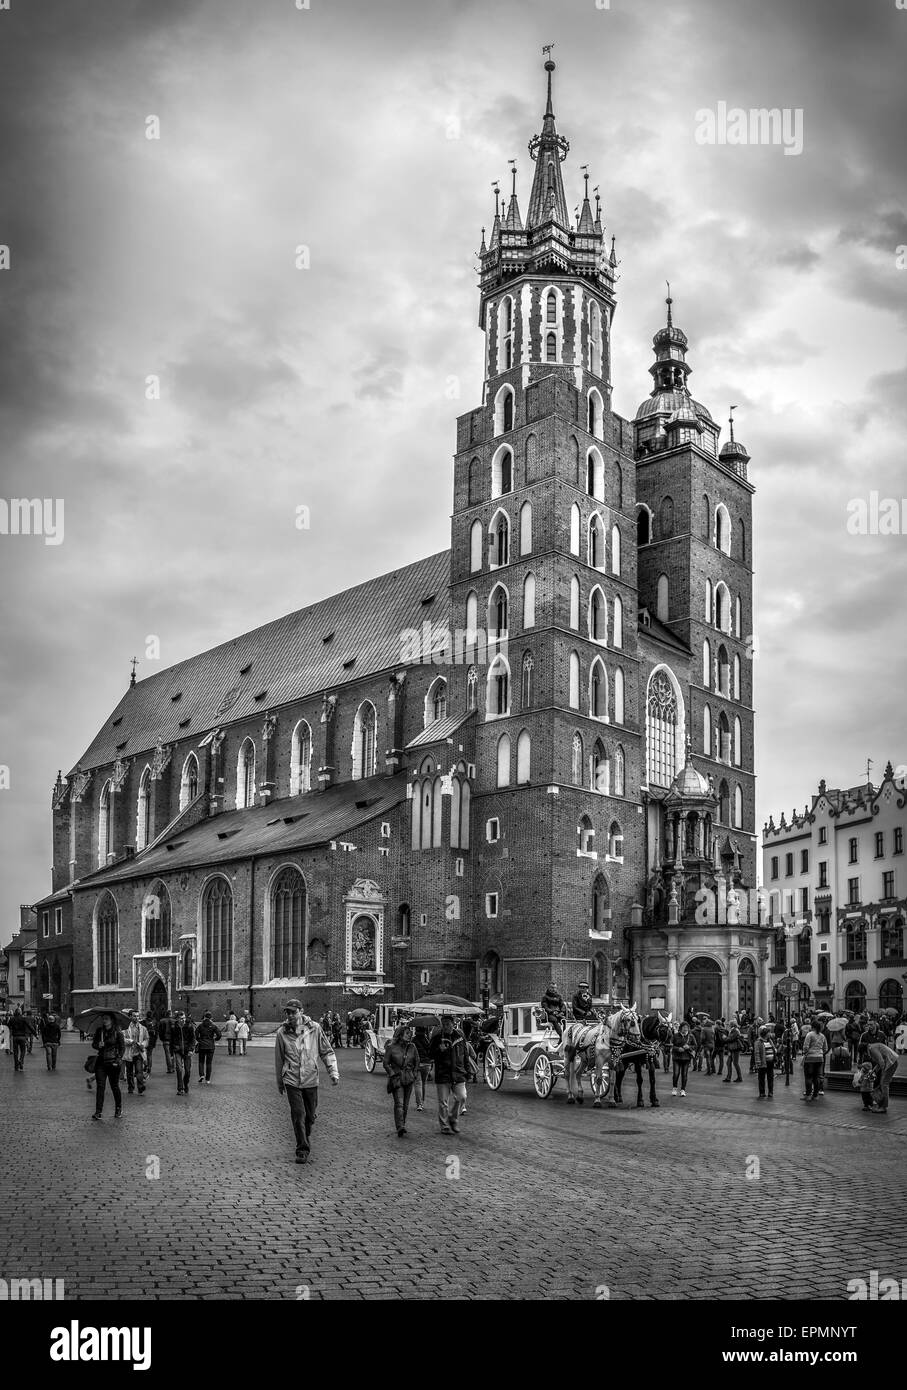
[{"x": 640, "y": 1047}]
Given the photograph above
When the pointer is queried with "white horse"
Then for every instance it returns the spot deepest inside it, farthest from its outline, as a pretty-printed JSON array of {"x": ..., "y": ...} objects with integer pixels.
[{"x": 583, "y": 1039}]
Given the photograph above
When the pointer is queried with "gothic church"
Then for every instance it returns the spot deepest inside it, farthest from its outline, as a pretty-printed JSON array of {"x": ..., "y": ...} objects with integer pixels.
[{"x": 527, "y": 758}]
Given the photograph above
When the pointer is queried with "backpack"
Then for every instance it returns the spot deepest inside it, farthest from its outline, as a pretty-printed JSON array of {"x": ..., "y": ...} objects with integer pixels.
[{"x": 769, "y": 1050}]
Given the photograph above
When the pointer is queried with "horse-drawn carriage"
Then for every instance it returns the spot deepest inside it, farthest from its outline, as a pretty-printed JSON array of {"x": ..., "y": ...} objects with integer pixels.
[
  {"x": 525, "y": 1043},
  {"x": 603, "y": 1047}
]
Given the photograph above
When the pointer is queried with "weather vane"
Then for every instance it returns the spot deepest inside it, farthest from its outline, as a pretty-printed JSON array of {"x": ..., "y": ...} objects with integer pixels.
[{"x": 547, "y": 47}]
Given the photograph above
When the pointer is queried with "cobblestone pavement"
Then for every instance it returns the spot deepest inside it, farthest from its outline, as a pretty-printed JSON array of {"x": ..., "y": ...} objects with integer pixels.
[{"x": 551, "y": 1201}]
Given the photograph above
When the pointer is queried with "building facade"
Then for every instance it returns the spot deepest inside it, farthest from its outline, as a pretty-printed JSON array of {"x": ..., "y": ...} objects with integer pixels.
[
  {"x": 529, "y": 757},
  {"x": 837, "y": 894},
  {"x": 21, "y": 964}
]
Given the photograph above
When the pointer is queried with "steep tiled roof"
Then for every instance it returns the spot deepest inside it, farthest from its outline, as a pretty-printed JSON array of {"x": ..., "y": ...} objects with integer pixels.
[
  {"x": 331, "y": 643},
  {"x": 293, "y": 822},
  {"x": 439, "y": 730}
]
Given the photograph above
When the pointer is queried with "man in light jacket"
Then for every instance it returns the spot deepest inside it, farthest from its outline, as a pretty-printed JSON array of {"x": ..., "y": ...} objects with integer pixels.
[
  {"x": 136, "y": 1036},
  {"x": 299, "y": 1044}
]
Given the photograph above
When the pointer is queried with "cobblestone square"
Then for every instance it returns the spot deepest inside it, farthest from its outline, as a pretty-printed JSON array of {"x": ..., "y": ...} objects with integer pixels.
[{"x": 532, "y": 1200}]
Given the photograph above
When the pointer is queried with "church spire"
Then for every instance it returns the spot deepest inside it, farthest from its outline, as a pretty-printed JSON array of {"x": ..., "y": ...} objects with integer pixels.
[
  {"x": 547, "y": 201},
  {"x": 513, "y": 221},
  {"x": 586, "y": 226},
  {"x": 670, "y": 368}
]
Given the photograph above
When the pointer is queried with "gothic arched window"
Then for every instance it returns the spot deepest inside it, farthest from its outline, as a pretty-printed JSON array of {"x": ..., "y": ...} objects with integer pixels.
[
  {"x": 526, "y": 682},
  {"x": 596, "y": 542},
  {"x": 600, "y": 769},
  {"x": 502, "y": 472},
  {"x": 156, "y": 918},
  {"x": 364, "y": 729},
  {"x": 663, "y": 720},
  {"x": 598, "y": 616},
  {"x": 619, "y": 772},
  {"x": 189, "y": 781},
  {"x": 529, "y": 601},
  {"x": 217, "y": 931},
  {"x": 107, "y": 944},
  {"x": 288, "y": 907},
  {"x": 598, "y": 690},
  {"x": 550, "y": 347},
  {"x": 143, "y": 818},
  {"x": 523, "y": 757},
  {"x": 551, "y": 307},
  {"x": 497, "y": 697},
  {"x": 576, "y": 761},
  {"x": 503, "y": 761},
  {"x": 245, "y": 775},
  {"x": 301, "y": 759},
  {"x": 105, "y": 824}
]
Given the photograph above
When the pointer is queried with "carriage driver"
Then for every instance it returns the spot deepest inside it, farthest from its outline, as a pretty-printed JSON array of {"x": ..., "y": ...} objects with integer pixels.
[
  {"x": 583, "y": 1009},
  {"x": 553, "y": 1004}
]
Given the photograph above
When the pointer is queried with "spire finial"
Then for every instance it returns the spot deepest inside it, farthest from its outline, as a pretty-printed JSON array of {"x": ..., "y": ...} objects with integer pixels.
[
  {"x": 497, "y": 197},
  {"x": 689, "y": 746},
  {"x": 669, "y": 301},
  {"x": 549, "y": 68},
  {"x": 598, "y": 204},
  {"x": 135, "y": 662},
  {"x": 585, "y": 173},
  {"x": 512, "y": 163},
  {"x": 730, "y": 420}
]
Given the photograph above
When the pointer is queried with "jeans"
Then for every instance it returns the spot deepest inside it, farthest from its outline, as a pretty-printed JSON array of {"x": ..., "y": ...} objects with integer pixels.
[
  {"x": 204, "y": 1065},
  {"x": 135, "y": 1073},
  {"x": 168, "y": 1056},
  {"x": 148, "y": 1057},
  {"x": 303, "y": 1104},
  {"x": 422, "y": 1081},
  {"x": 231, "y": 1047},
  {"x": 19, "y": 1047},
  {"x": 880, "y": 1094},
  {"x": 107, "y": 1074},
  {"x": 50, "y": 1052},
  {"x": 766, "y": 1074},
  {"x": 812, "y": 1074},
  {"x": 402, "y": 1095},
  {"x": 447, "y": 1112},
  {"x": 183, "y": 1067},
  {"x": 733, "y": 1060},
  {"x": 681, "y": 1070},
  {"x": 240, "y": 1047}
]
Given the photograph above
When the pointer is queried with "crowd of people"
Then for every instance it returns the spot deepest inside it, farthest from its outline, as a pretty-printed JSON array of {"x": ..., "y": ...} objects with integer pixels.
[{"x": 449, "y": 1053}]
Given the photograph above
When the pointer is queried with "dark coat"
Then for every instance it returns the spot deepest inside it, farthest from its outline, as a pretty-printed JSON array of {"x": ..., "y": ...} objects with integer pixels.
[
  {"x": 449, "y": 1057},
  {"x": 50, "y": 1033},
  {"x": 165, "y": 1029},
  {"x": 401, "y": 1062},
  {"x": 20, "y": 1026},
  {"x": 110, "y": 1045},
  {"x": 206, "y": 1035},
  {"x": 182, "y": 1038}
]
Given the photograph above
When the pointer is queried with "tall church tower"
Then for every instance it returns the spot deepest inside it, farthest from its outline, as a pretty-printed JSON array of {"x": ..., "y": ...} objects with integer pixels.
[{"x": 543, "y": 581}]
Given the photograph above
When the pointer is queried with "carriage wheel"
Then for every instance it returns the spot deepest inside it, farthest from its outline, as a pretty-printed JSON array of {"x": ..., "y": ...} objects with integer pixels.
[
  {"x": 494, "y": 1067},
  {"x": 371, "y": 1056},
  {"x": 542, "y": 1076}
]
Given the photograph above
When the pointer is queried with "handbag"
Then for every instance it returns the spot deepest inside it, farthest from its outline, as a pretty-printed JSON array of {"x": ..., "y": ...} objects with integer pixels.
[{"x": 90, "y": 1063}]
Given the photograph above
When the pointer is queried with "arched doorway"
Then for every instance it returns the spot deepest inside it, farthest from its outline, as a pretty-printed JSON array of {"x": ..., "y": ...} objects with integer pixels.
[
  {"x": 157, "y": 999},
  {"x": 746, "y": 986},
  {"x": 702, "y": 987}
]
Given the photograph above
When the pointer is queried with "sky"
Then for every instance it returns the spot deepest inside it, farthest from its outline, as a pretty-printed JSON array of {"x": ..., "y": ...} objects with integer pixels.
[{"x": 369, "y": 132}]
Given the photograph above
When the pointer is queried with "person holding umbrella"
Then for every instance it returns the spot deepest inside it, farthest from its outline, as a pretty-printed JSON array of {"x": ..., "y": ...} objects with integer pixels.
[
  {"x": 422, "y": 1046},
  {"x": 447, "y": 1050},
  {"x": 401, "y": 1062},
  {"x": 110, "y": 1045}
]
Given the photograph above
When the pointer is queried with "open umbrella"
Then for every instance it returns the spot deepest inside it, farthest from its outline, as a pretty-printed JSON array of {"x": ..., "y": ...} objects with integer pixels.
[
  {"x": 360, "y": 1013},
  {"x": 892, "y": 1013},
  {"x": 450, "y": 1001},
  {"x": 835, "y": 1025},
  {"x": 424, "y": 1021},
  {"x": 824, "y": 1013},
  {"x": 90, "y": 1019}
]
